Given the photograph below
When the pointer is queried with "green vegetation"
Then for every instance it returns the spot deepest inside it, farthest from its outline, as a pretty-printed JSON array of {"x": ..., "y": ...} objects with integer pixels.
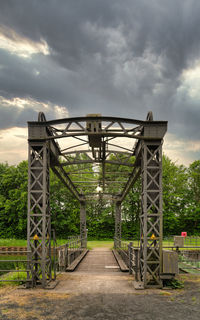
[
  {"x": 6, "y": 264},
  {"x": 13, "y": 243},
  {"x": 98, "y": 244},
  {"x": 173, "y": 284},
  {"x": 181, "y": 205},
  {"x": 9, "y": 277}
]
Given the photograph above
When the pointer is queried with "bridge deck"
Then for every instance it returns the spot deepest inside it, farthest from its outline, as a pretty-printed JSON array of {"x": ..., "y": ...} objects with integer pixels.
[
  {"x": 99, "y": 260},
  {"x": 97, "y": 273}
]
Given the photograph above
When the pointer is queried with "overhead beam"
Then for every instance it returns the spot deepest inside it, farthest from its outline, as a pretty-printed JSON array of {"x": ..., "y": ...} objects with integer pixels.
[
  {"x": 101, "y": 118},
  {"x": 62, "y": 175},
  {"x": 133, "y": 178}
]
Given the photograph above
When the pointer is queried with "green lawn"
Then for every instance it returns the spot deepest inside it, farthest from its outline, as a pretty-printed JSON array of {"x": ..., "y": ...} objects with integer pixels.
[
  {"x": 23, "y": 243},
  {"x": 98, "y": 243},
  {"x": 13, "y": 243}
]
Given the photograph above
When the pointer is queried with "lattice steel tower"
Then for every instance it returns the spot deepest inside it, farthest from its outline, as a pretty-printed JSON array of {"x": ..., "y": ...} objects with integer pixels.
[{"x": 98, "y": 146}]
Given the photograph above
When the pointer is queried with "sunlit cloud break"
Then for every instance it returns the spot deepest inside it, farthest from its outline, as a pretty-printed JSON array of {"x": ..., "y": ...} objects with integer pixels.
[
  {"x": 23, "y": 47},
  {"x": 22, "y": 103}
]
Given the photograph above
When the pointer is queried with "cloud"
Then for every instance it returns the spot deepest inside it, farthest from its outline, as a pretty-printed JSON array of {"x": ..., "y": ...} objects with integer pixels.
[
  {"x": 17, "y": 111},
  {"x": 113, "y": 57},
  {"x": 21, "y": 46},
  {"x": 180, "y": 150},
  {"x": 13, "y": 148}
]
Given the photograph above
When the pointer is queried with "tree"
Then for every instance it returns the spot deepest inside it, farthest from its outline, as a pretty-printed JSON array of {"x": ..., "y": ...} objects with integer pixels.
[
  {"x": 175, "y": 196},
  {"x": 192, "y": 212},
  {"x": 13, "y": 200}
]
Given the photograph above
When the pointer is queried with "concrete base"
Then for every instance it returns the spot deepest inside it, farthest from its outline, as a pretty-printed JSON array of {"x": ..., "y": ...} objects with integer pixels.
[
  {"x": 51, "y": 285},
  {"x": 138, "y": 285}
]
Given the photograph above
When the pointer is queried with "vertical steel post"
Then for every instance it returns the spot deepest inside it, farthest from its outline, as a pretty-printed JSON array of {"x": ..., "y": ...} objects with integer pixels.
[
  {"x": 117, "y": 225},
  {"x": 83, "y": 230},
  {"x": 39, "y": 218},
  {"x": 151, "y": 214},
  {"x": 130, "y": 257}
]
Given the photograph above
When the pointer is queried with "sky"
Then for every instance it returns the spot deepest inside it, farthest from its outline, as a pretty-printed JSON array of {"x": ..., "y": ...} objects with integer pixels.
[{"x": 119, "y": 58}]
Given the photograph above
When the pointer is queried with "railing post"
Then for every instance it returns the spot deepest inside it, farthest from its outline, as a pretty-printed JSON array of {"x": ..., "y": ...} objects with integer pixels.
[
  {"x": 83, "y": 230},
  {"x": 118, "y": 224},
  {"x": 54, "y": 254},
  {"x": 66, "y": 256},
  {"x": 130, "y": 257},
  {"x": 136, "y": 262}
]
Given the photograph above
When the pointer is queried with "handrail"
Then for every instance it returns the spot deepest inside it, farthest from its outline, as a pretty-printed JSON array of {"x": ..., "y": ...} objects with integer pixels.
[
  {"x": 27, "y": 268},
  {"x": 68, "y": 252},
  {"x": 129, "y": 254}
]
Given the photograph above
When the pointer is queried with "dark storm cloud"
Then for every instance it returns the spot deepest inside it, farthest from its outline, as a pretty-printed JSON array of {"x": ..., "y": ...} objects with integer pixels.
[{"x": 114, "y": 57}]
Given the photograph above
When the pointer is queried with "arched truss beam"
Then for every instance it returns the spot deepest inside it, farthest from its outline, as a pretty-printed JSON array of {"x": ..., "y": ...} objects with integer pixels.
[
  {"x": 98, "y": 134},
  {"x": 104, "y": 126}
]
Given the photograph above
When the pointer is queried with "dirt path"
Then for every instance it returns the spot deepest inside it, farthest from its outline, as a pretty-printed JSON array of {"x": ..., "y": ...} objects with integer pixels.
[{"x": 94, "y": 292}]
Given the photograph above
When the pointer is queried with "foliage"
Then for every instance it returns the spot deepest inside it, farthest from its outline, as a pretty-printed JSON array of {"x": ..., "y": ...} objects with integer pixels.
[
  {"x": 13, "y": 200},
  {"x": 181, "y": 204},
  {"x": 13, "y": 276},
  {"x": 173, "y": 284}
]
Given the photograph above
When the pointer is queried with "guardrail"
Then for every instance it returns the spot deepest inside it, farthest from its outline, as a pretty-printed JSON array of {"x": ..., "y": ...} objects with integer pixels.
[
  {"x": 188, "y": 241},
  {"x": 188, "y": 254},
  {"x": 130, "y": 255},
  {"x": 20, "y": 266},
  {"x": 67, "y": 253},
  {"x": 122, "y": 248}
]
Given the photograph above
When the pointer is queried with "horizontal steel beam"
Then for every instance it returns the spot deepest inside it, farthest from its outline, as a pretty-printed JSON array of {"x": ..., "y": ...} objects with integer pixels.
[
  {"x": 102, "y": 119},
  {"x": 96, "y": 161},
  {"x": 62, "y": 175},
  {"x": 90, "y": 151},
  {"x": 102, "y": 134}
]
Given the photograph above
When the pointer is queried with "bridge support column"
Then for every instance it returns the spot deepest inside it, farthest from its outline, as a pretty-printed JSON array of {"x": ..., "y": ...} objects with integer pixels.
[
  {"x": 39, "y": 218},
  {"x": 117, "y": 241},
  {"x": 151, "y": 214},
  {"x": 83, "y": 230}
]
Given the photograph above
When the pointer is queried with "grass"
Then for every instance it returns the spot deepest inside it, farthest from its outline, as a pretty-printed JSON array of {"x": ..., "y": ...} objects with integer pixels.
[
  {"x": 18, "y": 277},
  {"x": 17, "y": 265},
  {"x": 13, "y": 243},
  {"x": 100, "y": 243},
  {"x": 23, "y": 243},
  {"x": 96, "y": 243},
  {"x": 9, "y": 265}
]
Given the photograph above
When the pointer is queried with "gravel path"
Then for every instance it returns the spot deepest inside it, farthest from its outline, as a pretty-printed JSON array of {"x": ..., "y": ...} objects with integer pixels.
[{"x": 101, "y": 294}]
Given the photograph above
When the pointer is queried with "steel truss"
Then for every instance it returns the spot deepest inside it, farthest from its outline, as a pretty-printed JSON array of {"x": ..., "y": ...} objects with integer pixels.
[
  {"x": 39, "y": 218},
  {"x": 151, "y": 214},
  {"x": 117, "y": 223},
  {"x": 89, "y": 164}
]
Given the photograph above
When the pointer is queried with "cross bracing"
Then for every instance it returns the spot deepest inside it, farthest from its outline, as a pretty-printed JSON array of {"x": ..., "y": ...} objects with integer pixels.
[
  {"x": 95, "y": 134},
  {"x": 88, "y": 154}
]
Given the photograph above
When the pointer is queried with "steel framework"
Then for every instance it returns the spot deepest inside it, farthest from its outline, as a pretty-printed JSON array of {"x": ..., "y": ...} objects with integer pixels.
[{"x": 89, "y": 162}]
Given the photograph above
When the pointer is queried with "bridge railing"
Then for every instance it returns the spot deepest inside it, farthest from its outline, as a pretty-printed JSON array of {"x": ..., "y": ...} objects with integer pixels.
[
  {"x": 15, "y": 265},
  {"x": 67, "y": 253},
  {"x": 133, "y": 260},
  {"x": 122, "y": 248},
  {"x": 188, "y": 251},
  {"x": 129, "y": 253}
]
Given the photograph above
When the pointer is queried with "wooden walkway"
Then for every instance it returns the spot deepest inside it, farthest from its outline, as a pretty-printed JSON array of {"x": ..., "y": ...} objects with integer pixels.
[
  {"x": 99, "y": 260},
  {"x": 98, "y": 272}
]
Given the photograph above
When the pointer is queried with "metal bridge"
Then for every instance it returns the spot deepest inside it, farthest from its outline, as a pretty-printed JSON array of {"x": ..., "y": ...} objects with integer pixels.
[{"x": 94, "y": 148}]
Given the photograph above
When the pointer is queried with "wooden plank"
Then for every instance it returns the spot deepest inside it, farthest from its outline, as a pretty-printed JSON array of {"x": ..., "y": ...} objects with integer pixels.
[
  {"x": 121, "y": 263},
  {"x": 76, "y": 262}
]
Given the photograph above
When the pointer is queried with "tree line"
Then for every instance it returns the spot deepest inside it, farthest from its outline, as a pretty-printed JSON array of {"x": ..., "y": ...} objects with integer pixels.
[{"x": 181, "y": 205}]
